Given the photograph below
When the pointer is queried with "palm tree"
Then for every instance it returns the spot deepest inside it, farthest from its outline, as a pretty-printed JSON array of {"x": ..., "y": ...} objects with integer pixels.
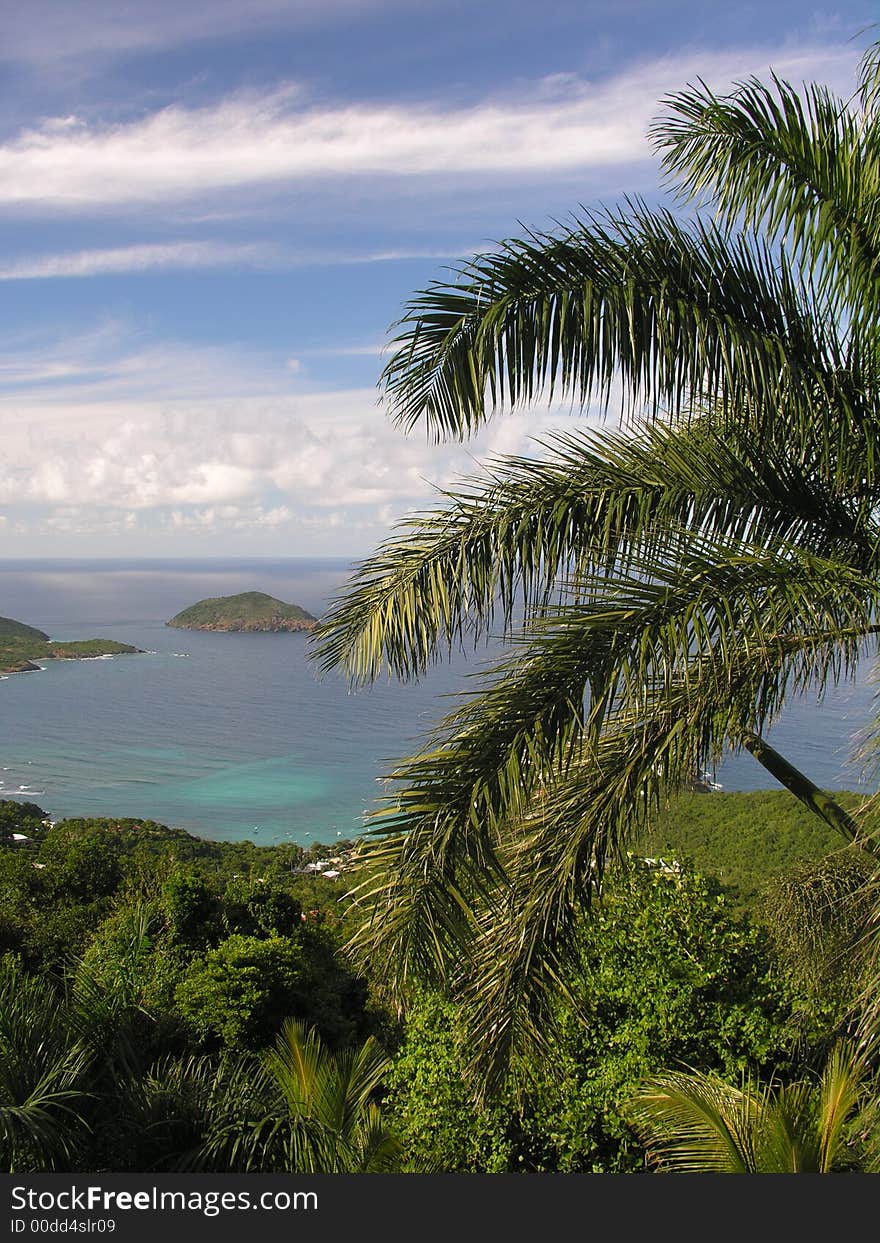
[
  {"x": 43, "y": 1088},
  {"x": 301, "y": 1109},
  {"x": 696, "y": 1123},
  {"x": 662, "y": 587},
  {"x": 164, "y": 1113}
]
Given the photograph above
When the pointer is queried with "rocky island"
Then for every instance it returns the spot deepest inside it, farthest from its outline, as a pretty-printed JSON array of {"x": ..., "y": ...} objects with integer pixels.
[
  {"x": 250, "y": 611},
  {"x": 23, "y": 647}
]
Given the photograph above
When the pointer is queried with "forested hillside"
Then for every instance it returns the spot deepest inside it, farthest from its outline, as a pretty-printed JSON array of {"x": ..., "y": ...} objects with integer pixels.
[{"x": 162, "y": 976}]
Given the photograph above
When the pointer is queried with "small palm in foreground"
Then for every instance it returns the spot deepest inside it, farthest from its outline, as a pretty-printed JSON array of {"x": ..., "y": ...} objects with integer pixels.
[
  {"x": 303, "y": 1109},
  {"x": 42, "y": 1075},
  {"x": 697, "y": 1123}
]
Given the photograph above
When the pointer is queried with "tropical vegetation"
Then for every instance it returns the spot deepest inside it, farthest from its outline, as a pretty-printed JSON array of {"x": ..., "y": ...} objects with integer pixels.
[
  {"x": 168, "y": 1002},
  {"x": 698, "y": 1123},
  {"x": 152, "y": 985},
  {"x": 532, "y": 971}
]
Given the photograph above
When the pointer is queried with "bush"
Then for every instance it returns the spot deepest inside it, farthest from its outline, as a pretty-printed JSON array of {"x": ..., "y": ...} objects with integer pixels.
[{"x": 667, "y": 976}]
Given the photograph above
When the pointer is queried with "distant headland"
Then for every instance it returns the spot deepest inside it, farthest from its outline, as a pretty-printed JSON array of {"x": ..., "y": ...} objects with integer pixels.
[
  {"x": 23, "y": 647},
  {"x": 249, "y": 611}
]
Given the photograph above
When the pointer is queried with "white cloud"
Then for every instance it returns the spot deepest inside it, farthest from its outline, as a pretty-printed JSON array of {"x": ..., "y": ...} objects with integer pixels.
[
  {"x": 215, "y": 519},
  {"x": 143, "y": 433},
  {"x": 282, "y": 455},
  {"x": 41, "y": 356},
  {"x": 277, "y": 138},
  {"x": 114, "y": 361},
  {"x": 189, "y": 255},
  {"x": 138, "y": 258}
]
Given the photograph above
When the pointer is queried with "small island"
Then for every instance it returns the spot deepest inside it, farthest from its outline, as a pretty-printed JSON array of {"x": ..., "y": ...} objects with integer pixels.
[
  {"x": 249, "y": 611},
  {"x": 23, "y": 647}
]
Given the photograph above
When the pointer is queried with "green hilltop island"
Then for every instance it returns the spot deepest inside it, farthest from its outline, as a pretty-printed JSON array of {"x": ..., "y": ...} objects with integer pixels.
[
  {"x": 23, "y": 647},
  {"x": 249, "y": 611}
]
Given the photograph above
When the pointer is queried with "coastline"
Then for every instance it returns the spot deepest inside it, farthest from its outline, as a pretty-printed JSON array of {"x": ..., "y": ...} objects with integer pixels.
[{"x": 27, "y": 664}]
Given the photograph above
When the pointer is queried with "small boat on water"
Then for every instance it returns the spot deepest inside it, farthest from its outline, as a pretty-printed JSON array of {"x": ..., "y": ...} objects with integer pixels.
[{"x": 705, "y": 783}]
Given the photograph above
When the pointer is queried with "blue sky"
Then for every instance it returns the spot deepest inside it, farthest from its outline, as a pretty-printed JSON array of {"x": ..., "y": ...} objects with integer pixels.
[{"x": 210, "y": 215}]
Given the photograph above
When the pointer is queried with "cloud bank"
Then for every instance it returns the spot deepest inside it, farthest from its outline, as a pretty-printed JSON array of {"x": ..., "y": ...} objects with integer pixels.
[
  {"x": 105, "y": 432},
  {"x": 557, "y": 125}
]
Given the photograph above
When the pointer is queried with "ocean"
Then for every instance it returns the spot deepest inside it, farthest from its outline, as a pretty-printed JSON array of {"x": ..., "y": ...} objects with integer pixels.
[{"x": 235, "y": 736}]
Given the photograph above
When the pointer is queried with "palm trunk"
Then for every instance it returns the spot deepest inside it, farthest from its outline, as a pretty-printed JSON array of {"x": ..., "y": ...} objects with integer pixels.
[{"x": 802, "y": 788}]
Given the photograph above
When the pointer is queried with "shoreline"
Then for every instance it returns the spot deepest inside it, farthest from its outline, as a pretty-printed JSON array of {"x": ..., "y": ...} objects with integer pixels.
[{"x": 27, "y": 664}]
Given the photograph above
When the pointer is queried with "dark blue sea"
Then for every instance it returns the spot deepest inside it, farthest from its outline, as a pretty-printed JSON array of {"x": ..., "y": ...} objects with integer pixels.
[{"x": 235, "y": 736}]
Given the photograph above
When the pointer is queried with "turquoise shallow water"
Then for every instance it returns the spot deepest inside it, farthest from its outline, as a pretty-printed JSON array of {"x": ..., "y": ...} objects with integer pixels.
[{"x": 235, "y": 736}]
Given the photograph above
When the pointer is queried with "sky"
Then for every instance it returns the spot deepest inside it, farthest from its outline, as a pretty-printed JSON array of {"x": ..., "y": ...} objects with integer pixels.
[{"x": 212, "y": 214}]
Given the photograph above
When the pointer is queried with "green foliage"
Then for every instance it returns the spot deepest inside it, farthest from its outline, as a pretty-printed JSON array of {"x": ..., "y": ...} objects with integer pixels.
[
  {"x": 20, "y": 817},
  {"x": 58, "y": 892},
  {"x": 42, "y": 1081},
  {"x": 58, "y": 887},
  {"x": 16, "y": 887},
  {"x": 301, "y": 1108},
  {"x": 134, "y": 961},
  {"x": 114, "y": 920},
  {"x": 431, "y": 1102},
  {"x": 195, "y": 954},
  {"x": 260, "y": 907},
  {"x": 10, "y": 629},
  {"x": 241, "y": 992},
  {"x": 820, "y": 916},
  {"x": 166, "y": 1113},
  {"x": 194, "y": 948},
  {"x": 191, "y": 908},
  {"x": 742, "y": 838},
  {"x": 79, "y": 868},
  {"x": 666, "y": 974},
  {"x": 698, "y": 1123},
  {"x": 84, "y": 649}
]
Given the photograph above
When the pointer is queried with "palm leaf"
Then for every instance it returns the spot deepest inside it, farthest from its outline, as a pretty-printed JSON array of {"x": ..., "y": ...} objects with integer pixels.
[
  {"x": 788, "y": 162},
  {"x": 505, "y": 548},
  {"x": 696, "y": 1123},
  {"x": 676, "y": 316}
]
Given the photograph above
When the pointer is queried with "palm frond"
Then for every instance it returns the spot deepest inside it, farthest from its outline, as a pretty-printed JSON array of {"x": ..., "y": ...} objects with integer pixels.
[
  {"x": 844, "y": 1090},
  {"x": 43, "y": 1089},
  {"x": 696, "y": 1123},
  {"x": 787, "y": 162},
  {"x": 499, "y": 834},
  {"x": 504, "y": 548},
  {"x": 300, "y": 1108},
  {"x": 662, "y": 589},
  {"x": 675, "y": 315}
]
